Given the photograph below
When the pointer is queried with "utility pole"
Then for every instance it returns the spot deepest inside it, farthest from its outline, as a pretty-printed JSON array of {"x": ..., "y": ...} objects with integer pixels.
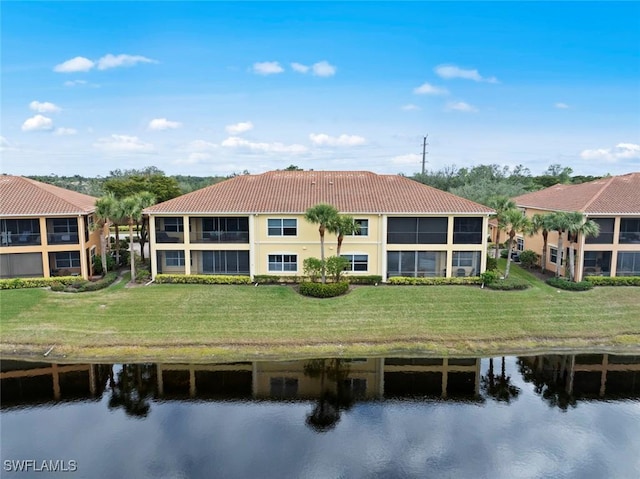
[{"x": 424, "y": 151}]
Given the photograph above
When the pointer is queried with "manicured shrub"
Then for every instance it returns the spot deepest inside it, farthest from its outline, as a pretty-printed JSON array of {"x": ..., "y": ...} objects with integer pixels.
[
  {"x": 492, "y": 263},
  {"x": 562, "y": 283},
  {"x": 275, "y": 279},
  {"x": 312, "y": 267},
  {"x": 143, "y": 275},
  {"x": 404, "y": 280},
  {"x": 97, "y": 264},
  {"x": 509, "y": 284},
  {"x": 201, "y": 279},
  {"x": 335, "y": 267},
  {"x": 504, "y": 253},
  {"x": 57, "y": 286},
  {"x": 19, "y": 283},
  {"x": 319, "y": 290},
  {"x": 490, "y": 276},
  {"x": 613, "y": 281},
  {"x": 528, "y": 258},
  {"x": 370, "y": 279},
  {"x": 84, "y": 286}
]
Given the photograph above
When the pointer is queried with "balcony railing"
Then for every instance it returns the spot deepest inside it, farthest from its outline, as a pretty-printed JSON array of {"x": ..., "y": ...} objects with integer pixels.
[
  {"x": 26, "y": 238},
  {"x": 63, "y": 238},
  {"x": 163, "y": 236},
  {"x": 219, "y": 237},
  {"x": 629, "y": 238}
]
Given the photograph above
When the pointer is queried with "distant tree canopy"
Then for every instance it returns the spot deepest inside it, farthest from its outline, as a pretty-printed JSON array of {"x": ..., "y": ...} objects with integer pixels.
[{"x": 482, "y": 182}]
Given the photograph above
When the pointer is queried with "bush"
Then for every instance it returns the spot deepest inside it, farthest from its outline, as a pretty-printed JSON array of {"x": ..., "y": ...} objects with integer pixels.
[
  {"x": 143, "y": 275},
  {"x": 528, "y": 258},
  {"x": 312, "y": 267},
  {"x": 509, "y": 284},
  {"x": 201, "y": 279},
  {"x": 492, "y": 263},
  {"x": 436, "y": 281},
  {"x": 57, "y": 286},
  {"x": 84, "y": 286},
  {"x": 504, "y": 253},
  {"x": 562, "y": 283},
  {"x": 490, "y": 276},
  {"x": 335, "y": 267},
  {"x": 275, "y": 279},
  {"x": 19, "y": 283},
  {"x": 319, "y": 290},
  {"x": 97, "y": 264},
  {"x": 370, "y": 279},
  {"x": 613, "y": 281}
]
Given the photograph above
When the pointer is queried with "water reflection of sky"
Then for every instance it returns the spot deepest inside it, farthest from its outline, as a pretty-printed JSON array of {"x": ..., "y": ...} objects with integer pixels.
[{"x": 398, "y": 438}]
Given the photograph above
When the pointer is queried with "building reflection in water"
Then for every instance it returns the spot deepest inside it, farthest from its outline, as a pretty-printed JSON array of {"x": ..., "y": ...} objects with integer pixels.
[{"x": 335, "y": 385}]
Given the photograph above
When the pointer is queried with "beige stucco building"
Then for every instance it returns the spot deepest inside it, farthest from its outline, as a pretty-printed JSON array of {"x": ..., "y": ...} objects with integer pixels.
[
  {"x": 254, "y": 225},
  {"x": 613, "y": 203},
  {"x": 45, "y": 230}
]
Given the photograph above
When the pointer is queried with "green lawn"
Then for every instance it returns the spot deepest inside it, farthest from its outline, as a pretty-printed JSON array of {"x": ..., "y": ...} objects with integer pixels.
[{"x": 205, "y": 322}]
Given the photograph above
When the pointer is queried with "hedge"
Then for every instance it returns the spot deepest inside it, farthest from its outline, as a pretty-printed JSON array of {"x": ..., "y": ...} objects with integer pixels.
[
  {"x": 370, "y": 279},
  {"x": 201, "y": 279},
  {"x": 509, "y": 284},
  {"x": 562, "y": 283},
  {"x": 319, "y": 290},
  {"x": 82, "y": 285},
  {"x": 613, "y": 281},
  {"x": 19, "y": 283},
  {"x": 275, "y": 279},
  {"x": 404, "y": 280}
]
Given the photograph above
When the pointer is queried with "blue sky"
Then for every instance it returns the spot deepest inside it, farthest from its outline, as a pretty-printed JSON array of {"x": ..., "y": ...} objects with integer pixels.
[{"x": 210, "y": 88}]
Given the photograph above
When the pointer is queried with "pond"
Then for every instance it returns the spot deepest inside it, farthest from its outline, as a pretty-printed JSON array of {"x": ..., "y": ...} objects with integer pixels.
[{"x": 565, "y": 416}]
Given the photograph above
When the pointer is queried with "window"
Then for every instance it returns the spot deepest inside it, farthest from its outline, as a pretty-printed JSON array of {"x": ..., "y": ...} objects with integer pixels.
[
  {"x": 357, "y": 262},
  {"x": 284, "y": 387},
  {"x": 467, "y": 230},
  {"x": 417, "y": 230},
  {"x": 282, "y": 227},
  {"x": 363, "y": 227},
  {"x": 283, "y": 262},
  {"x": 553, "y": 255},
  {"x": 225, "y": 262},
  {"x": 174, "y": 258},
  {"x": 630, "y": 230},
  {"x": 65, "y": 225},
  {"x": 416, "y": 263},
  {"x": 628, "y": 263},
  {"x": 357, "y": 387},
  {"x": 173, "y": 224},
  {"x": 67, "y": 259},
  {"x": 463, "y": 258},
  {"x": 605, "y": 236},
  {"x": 520, "y": 244},
  {"x": 19, "y": 232}
]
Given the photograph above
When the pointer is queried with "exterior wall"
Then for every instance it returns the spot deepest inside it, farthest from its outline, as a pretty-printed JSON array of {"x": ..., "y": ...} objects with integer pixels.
[
  {"x": 536, "y": 243},
  {"x": 304, "y": 244},
  {"x": 46, "y": 250}
]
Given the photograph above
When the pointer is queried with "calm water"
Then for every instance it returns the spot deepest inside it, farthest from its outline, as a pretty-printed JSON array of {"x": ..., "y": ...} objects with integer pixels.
[{"x": 564, "y": 416}]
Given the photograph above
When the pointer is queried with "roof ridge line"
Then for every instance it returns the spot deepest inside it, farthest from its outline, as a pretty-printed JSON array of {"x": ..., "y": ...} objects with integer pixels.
[
  {"x": 54, "y": 190},
  {"x": 597, "y": 195}
]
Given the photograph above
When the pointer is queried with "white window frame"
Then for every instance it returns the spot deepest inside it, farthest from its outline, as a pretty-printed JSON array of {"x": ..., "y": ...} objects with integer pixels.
[
  {"x": 351, "y": 258},
  {"x": 361, "y": 222},
  {"x": 282, "y": 263},
  {"x": 552, "y": 254},
  {"x": 70, "y": 225},
  {"x": 177, "y": 261},
  {"x": 176, "y": 227},
  {"x": 456, "y": 258},
  {"x": 282, "y": 227},
  {"x": 519, "y": 243},
  {"x": 69, "y": 259}
]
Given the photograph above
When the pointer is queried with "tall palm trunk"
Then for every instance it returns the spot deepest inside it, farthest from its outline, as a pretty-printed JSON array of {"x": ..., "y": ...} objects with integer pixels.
[
  {"x": 560, "y": 255},
  {"x": 572, "y": 261},
  {"x": 512, "y": 233},
  {"x": 340, "y": 239},
  {"x": 324, "y": 268},
  {"x": 545, "y": 238},
  {"x": 497, "y": 252},
  {"x": 117, "y": 243},
  {"x": 131, "y": 255},
  {"x": 103, "y": 251}
]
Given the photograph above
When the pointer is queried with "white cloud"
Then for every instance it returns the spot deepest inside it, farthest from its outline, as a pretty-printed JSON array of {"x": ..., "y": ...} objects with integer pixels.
[
  {"x": 122, "y": 60},
  {"x": 561, "y": 106},
  {"x": 622, "y": 151},
  {"x": 241, "y": 143},
  {"x": 267, "y": 68},
  {"x": 322, "y": 139},
  {"x": 238, "y": 128},
  {"x": 163, "y": 124},
  {"x": 124, "y": 143},
  {"x": 460, "y": 106},
  {"x": 44, "y": 107},
  {"x": 75, "y": 82},
  {"x": 194, "y": 159},
  {"x": 449, "y": 72},
  {"x": 428, "y": 89},
  {"x": 411, "y": 107},
  {"x": 299, "y": 67},
  {"x": 77, "y": 64},
  {"x": 323, "y": 69},
  {"x": 201, "y": 145},
  {"x": 409, "y": 159},
  {"x": 37, "y": 123},
  {"x": 65, "y": 131}
]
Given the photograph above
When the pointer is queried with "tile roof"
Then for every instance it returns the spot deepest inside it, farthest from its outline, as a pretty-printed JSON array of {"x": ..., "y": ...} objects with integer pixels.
[
  {"x": 295, "y": 191},
  {"x": 21, "y": 196},
  {"x": 612, "y": 195}
]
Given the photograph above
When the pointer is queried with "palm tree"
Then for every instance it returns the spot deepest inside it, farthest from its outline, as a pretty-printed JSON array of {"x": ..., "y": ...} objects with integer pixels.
[
  {"x": 542, "y": 223},
  {"x": 106, "y": 210},
  {"x": 501, "y": 204},
  {"x": 324, "y": 216},
  {"x": 515, "y": 222},
  {"x": 578, "y": 224},
  {"x": 559, "y": 222},
  {"x": 131, "y": 208},
  {"x": 343, "y": 225}
]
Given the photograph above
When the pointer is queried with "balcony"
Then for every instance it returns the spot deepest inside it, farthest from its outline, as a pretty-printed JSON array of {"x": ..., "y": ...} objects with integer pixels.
[
  {"x": 26, "y": 238},
  {"x": 219, "y": 229},
  {"x": 219, "y": 237},
  {"x": 63, "y": 238},
  {"x": 163, "y": 236}
]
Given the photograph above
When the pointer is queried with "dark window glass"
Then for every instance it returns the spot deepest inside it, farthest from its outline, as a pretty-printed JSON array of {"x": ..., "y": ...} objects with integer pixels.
[{"x": 467, "y": 230}]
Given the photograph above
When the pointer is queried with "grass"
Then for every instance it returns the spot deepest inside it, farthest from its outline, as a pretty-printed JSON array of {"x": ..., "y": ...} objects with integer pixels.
[{"x": 206, "y": 322}]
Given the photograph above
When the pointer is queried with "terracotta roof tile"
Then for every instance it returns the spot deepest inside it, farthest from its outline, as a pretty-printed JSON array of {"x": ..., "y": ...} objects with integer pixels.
[
  {"x": 21, "y": 196},
  {"x": 295, "y": 191},
  {"x": 613, "y": 195}
]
